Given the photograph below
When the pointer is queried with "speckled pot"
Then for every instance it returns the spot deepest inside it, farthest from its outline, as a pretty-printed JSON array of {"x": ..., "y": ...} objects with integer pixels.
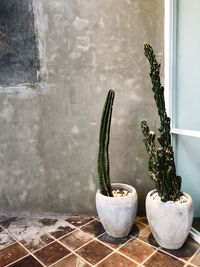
[
  {"x": 117, "y": 214},
  {"x": 170, "y": 222}
]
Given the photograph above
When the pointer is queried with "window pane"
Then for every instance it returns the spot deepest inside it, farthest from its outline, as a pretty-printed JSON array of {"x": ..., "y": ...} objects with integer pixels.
[
  {"x": 188, "y": 167},
  {"x": 187, "y": 85}
]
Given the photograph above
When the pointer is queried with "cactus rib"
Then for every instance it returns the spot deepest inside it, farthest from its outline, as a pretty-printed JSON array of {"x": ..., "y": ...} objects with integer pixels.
[{"x": 104, "y": 138}]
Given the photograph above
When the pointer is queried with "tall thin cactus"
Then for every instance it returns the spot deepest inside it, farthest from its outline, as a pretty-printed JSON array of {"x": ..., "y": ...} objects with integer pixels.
[
  {"x": 161, "y": 163},
  {"x": 104, "y": 137}
]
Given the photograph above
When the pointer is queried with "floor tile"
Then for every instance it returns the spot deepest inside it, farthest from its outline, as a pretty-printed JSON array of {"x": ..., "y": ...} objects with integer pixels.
[
  {"x": 71, "y": 261},
  {"x": 5, "y": 239},
  {"x": 48, "y": 221},
  {"x": 79, "y": 220},
  {"x": 11, "y": 253},
  {"x": 196, "y": 259},
  {"x": 160, "y": 259},
  {"x": 21, "y": 228},
  {"x": 27, "y": 262},
  {"x": 33, "y": 232},
  {"x": 3, "y": 218},
  {"x": 38, "y": 235},
  {"x": 142, "y": 220},
  {"x": 117, "y": 260},
  {"x": 61, "y": 231},
  {"x": 152, "y": 241},
  {"x": 94, "y": 228},
  {"x": 6, "y": 222},
  {"x": 134, "y": 230},
  {"x": 35, "y": 242},
  {"x": 51, "y": 253},
  {"x": 94, "y": 252},
  {"x": 112, "y": 241},
  {"x": 137, "y": 250},
  {"x": 186, "y": 251},
  {"x": 29, "y": 231},
  {"x": 146, "y": 235},
  {"x": 144, "y": 231},
  {"x": 76, "y": 239}
]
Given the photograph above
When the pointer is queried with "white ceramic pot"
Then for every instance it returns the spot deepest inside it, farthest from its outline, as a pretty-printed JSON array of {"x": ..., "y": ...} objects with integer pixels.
[
  {"x": 170, "y": 222},
  {"x": 117, "y": 214}
]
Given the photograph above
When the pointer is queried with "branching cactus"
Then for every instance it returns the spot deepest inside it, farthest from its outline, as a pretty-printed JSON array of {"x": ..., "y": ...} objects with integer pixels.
[
  {"x": 104, "y": 137},
  {"x": 161, "y": 163}
]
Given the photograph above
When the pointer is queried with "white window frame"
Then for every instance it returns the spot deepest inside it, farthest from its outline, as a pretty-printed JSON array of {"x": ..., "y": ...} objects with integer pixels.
[{"x": 169, "y": 67}]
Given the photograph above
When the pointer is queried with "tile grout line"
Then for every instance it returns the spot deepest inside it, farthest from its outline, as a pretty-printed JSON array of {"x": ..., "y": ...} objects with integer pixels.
[
  {"x": 109, "y": 246},
  {"x": 190, "y": 264},
  {"x": 73, "y": 251},
  {"x": 144, "y": 224},
  {"x": 29, "y": 252},
  {"x": 154, "y": 247},
  {"x": 104, "y": 258},
  {"x": 134, "y": 261},
  {"x": 8, "y": 245},
  {"x": 17, "y": 260},
  {"x": 159, "y": 248},
  {"x": 173, "y": 256},
  {"x": 147, "y": 243},
  {"x": 193, "y": 256},
  {"x": 168, "y": 253},
  {"x": 94, "y": 219},
  {"x": 116, "y": 250},
  {"x": 45, "y": 233},
  {"x": 145, "y": 260},
  {"x": 93, "y": 238},
  {"x": 83, "y": 259}
]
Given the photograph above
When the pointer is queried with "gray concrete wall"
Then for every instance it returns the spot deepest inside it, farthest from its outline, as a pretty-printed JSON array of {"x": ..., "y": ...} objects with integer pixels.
[{"x": 49, "y": 132}]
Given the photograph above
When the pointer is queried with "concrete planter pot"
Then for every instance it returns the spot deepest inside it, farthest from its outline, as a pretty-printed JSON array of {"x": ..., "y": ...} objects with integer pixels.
[
  {"x": 117, "y": 214},
  {"x": 169, "y": 221}
]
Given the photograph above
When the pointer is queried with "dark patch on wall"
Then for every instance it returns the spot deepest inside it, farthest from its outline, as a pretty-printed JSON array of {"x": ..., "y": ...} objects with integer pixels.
[{"x": 18, "y": 48}]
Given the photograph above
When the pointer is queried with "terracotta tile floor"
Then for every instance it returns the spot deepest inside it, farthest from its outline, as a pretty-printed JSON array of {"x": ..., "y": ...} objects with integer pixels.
[{"x": 80, "y": 241}]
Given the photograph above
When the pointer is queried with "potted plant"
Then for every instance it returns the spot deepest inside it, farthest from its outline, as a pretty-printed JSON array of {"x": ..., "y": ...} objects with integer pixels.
[
  {"x": 116, "y": 203},
  {"x": 169, "y": 210}
]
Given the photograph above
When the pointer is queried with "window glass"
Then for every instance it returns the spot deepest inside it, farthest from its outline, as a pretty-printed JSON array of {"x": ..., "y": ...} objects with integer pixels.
[
  {"x": 187, "y": 85},
  {"x": 188, "y": 167}
]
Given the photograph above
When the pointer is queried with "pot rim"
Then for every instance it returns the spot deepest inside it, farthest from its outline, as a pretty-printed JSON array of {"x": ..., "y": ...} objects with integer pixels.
[
  {"x": 127, "y": 187},
  {"x": 188, "y": 197}
]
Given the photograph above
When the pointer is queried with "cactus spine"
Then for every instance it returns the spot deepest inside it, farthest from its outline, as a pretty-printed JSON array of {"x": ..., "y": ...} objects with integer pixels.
[
  {"x": 161, "y": 163},
  {"x": 103, "y": 155}
]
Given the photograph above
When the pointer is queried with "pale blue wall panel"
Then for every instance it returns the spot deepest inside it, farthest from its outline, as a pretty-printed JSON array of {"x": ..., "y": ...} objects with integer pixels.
[
  {"x": 187, "y": 99},
  {"x": 188, "y": 167}
]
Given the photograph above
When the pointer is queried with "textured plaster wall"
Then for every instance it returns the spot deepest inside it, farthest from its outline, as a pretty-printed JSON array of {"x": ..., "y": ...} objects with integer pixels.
[{"x": 49, "y": 132}]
